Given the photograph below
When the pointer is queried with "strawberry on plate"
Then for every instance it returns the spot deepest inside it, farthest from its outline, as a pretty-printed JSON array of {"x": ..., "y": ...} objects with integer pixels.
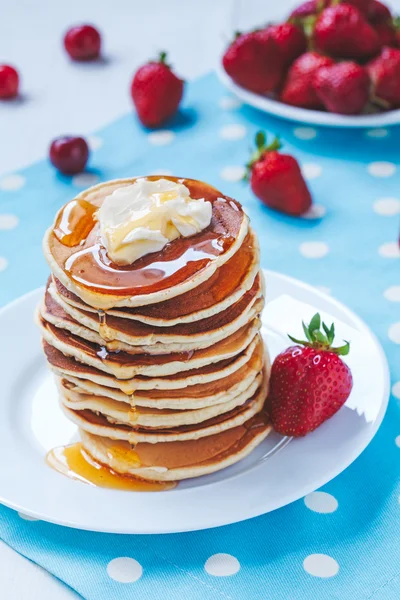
[
  {"x": 362, "y": 5},
  {"x": 309, "y": 381},
  {"x": 343, "y": 88},
  {"x": 156, "y": 92},
  {"x": 384, "y": 72},
  {"x": 378, "y": 12},
  {"x": 276, "y": 178},
  {"x": 298, "y": 89},
  {"x": 387, "y": 34},
  {"x": 307, "y": 9},
  {"x": 290, "y": 40},
  {"x": 342, "y": 31},
  {"x": 254, "y": 61}
]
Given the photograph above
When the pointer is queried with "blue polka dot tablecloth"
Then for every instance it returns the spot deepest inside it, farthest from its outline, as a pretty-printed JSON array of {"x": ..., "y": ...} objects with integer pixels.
[{"x": 341, "y": 542}]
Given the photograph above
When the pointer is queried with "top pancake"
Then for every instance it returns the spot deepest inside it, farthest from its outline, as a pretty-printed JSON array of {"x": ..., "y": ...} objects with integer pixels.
[
  {"x": 227, "y": 285},
  {"x": 183, "y": 264}
]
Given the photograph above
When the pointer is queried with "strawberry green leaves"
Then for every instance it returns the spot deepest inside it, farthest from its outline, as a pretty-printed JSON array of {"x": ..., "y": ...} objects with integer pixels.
[
  {"x": 261, "y": 149},
  {"x": 320, "y": 340}
]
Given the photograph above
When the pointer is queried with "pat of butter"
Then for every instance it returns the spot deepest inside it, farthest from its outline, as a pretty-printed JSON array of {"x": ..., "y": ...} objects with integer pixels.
[{"x": 143, "y": 217}]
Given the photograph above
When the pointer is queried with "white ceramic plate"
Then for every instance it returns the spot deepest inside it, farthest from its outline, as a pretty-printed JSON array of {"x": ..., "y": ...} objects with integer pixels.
[
  {"x": 31, "y": 423},
  {"x": 311, "y": 117}
]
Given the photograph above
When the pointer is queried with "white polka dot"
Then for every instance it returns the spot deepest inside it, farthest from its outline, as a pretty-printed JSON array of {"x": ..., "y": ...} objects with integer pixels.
[
  {"x": 85, "y": 180},
  {"x": 396, "y": 389},
  {"x": 233, "y": 173},
  {"x": 389, "y": 250},
  {"x": 324, "y": 289},
  {"x": 311, "y": 170},
  {"x": 232, "y": 132},
  {"x": 161, "y": 172},
  {"x": 3, "y": 263},
  {"x": 394, "y": 333},
  {"x": 387, "y": 206},
  {"x": 95, "y": 142},
  {"x": 397, "y": 441},
  {"x": 381, "y": 169},
  {"x": 161, "y": 138},
  {"x": 305, "y": 133},
  {"x": 12, "y": 182},
  {"x": 229, "y": 103},
  {"x": 222, "y": 565},
  {"x": 321, "y": 502},
  {"x": 320, "y": 565},
  {"x": 316, "y": 211},
  {"x": 314, "y": 249},
  {"x": 124, "y": 569},
  {"x": 27, "y": 517},
  {"x": 8, "y": 221},
  {"x": 393, "y": 293},
  {"x": 377, "y": 133}
]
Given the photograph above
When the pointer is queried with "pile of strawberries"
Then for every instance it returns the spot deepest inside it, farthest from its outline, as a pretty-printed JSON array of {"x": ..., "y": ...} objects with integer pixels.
[{"x": 334, "y": 55}]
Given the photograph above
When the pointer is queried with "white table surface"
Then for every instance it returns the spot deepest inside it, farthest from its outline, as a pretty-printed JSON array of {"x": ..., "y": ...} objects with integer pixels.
[{"x": 60, "y": 97}]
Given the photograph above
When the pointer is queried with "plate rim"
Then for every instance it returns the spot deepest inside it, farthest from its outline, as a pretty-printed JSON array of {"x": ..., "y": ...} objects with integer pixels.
[
  {"x": 303, "y": 491},
  {"x": 304, "y": 115}
]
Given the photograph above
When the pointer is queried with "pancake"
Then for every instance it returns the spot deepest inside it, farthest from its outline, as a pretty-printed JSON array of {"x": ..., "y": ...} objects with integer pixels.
[
  {"x": 99, "y": 425},
  {"x": 164, "y": 354},
  {"x": 121, "y": 413},
  {"x": 118, "y": 334},
  {"x": 69, "y": 368},
  {"x": 85, "y": 270},
  {"x": 126, "y": 366},
  {"x": 178, "y": 460},
  {"x": 191, "y": 397},
  {"x": 228, "y": 284}
]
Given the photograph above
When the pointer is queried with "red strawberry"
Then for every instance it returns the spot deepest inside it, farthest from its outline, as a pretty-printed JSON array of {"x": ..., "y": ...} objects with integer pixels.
[
  {"x": 384, "y": 72},
  {"x": 378, "y": 12},
  {"x": 290, "y": 40},
  {"x": 308, "y": 9},
  {"x": 276, "y": 178},
  {"x": 309, "y": 381},
  {"x": 387, "y": 34},
  {"x": 343, "y": 88},
  {"x": 298, "y": 88},
  {"x": 156, "y": 92},
  {"x": 343, "y": 32},
  {"x": 254, "y": 62},
  {"x": 362, "y": 5}
]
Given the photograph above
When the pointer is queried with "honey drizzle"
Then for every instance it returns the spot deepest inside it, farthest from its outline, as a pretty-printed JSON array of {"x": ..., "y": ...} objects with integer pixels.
[
  {"x": 74, "y": 222},
  {"x": 104, "y": 332},
  {"x": 74, "y": 462},
  {"x": 133, "y": 412}
]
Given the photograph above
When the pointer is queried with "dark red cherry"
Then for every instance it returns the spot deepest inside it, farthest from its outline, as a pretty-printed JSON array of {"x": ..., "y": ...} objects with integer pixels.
[
  {"x": 9, "y": 81},
  {"x": 83, "y": 42},
  {"x": 69, "y": 154}
]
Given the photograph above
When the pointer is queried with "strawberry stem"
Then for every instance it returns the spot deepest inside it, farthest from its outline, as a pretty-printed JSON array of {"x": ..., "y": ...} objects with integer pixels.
[
  {"x": 162, "y": 59},
  {"x": 261, "y": 149},
  {"x": 321, "y": 340}
]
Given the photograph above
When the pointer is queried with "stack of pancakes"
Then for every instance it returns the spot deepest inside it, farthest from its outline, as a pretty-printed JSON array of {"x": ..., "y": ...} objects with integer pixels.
[{"x": 160, "y": 363}]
